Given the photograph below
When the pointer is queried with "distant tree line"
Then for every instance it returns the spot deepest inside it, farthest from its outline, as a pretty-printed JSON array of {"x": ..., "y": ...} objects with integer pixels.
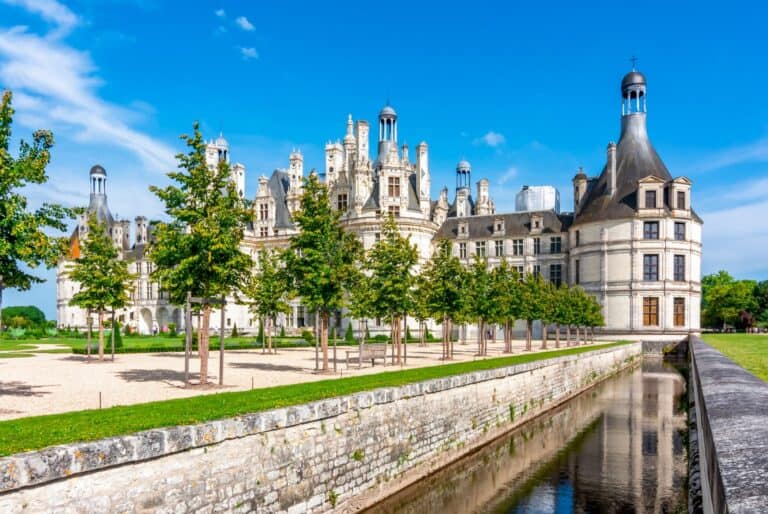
[{"x": 730, "y": 303}]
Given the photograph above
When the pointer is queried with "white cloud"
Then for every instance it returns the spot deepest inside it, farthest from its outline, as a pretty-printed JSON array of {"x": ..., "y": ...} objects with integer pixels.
[
  {"x": 249, "y": 53},
  {"x": 735, "y": 240},
  {"x": 492, "y": 139},
  {"x": 244, "y": 24},
  {"x": 508, "y": 175},
  {"x": 756, "y": 151},
  {"x": 51, "y": 11},
  {"x": 220, "y": 13},
  {"x": 55, "y": 86}
]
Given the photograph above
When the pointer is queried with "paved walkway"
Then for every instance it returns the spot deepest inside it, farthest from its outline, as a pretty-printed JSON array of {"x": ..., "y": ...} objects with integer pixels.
[{"x": 50, "y": 383}]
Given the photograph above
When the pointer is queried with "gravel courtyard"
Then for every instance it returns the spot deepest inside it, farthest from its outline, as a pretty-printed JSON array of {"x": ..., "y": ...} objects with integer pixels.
[{"x": 51, "y": 383}]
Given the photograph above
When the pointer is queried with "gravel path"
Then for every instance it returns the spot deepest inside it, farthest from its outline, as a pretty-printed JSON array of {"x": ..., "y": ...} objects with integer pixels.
[{"x": 51, "y": 383}]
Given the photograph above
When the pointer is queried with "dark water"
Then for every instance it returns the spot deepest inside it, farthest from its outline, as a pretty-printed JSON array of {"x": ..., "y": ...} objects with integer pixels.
[{"x": 618, "y": 448}]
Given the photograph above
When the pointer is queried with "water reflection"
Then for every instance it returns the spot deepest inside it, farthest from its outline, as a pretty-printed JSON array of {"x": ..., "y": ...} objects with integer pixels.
[{"x": 617, "y": 448}]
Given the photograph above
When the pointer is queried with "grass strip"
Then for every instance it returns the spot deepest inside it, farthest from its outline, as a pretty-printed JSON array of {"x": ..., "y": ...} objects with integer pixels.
[
  {"x": 750, "y": 351},
  {"x": 15, "y": 355},
  {"x": 34, "y": 433}
]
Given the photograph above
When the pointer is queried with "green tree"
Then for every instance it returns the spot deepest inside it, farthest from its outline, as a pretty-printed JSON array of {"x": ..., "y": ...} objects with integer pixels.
[
  {"x": 723, "y": 297},
  {"x": 481, "y": 300},
  {"x": 31, "y": 315},
  {"x": 102, "y": 276},
  {"x": 420, "y": 309},
  {"x": 532, "y": 304},
  {"x": 323, "y": 258},
  {"x": 507, "y": 289},
  {"x": 198, "y": 250},
  {"x": 266, "y": 292},
  {"x": 761, "y": 296},
  {"x": 360, "y": 299},
  {"x": 547, "y": 311},
  {"x": 561, "y": 314},
  {"x": 390, "y": 265},
  {"x": 445, "y": 291},
  {"x": 25, "y": 242}
]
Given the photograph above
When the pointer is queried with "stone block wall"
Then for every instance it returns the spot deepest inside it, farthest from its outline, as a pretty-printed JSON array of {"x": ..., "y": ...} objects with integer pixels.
[{"x": 340, "y": 454}]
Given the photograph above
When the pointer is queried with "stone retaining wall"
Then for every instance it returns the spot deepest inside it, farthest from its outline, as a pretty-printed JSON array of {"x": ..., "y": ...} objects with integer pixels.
[
  {"x": 731, "y": 415},
  {"x": 340, "y": 454}
]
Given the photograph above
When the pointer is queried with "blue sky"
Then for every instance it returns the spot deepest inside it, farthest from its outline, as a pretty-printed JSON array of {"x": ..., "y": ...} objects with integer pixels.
[{"x": 527, "y": 91}]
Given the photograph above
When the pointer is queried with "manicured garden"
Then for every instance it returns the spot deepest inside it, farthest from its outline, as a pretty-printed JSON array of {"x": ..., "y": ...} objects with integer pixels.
[
  {"x": 42, "y": 431},
  {"x": 749, "y": 351}
]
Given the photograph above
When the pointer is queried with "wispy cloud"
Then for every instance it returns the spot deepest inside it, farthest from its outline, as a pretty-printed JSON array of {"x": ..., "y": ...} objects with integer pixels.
[
  {"x": 244, "y": 24},
  {"x": 491, "y": 138},
  {"x": 220, "y": 13},
  {"x": 56, "y": 86},
  {"x": 51, "y": 11},
  {"x": 756, "y": 151},
  {"x": 734, "y": 239},
  {"x": 249, "y": 53},
  {"x": 508, "y": 175}
]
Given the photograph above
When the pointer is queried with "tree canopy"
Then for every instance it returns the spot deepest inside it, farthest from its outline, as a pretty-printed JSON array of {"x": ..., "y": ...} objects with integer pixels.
[
  {"x": 198, "y": 250},
  {"x": 25, "y": 243},
  {"x": 266, "y": 291}
]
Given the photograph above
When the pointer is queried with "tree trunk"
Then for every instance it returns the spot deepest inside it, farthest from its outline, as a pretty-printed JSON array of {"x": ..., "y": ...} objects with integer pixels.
[
  {"x": 324, "y": 339},
  {"x": 101, "y": 334},
  {"x": 269, "y": 334},
  {"x": 1, "y": 306},
  {"x": 480, "y": 335},
  {"x": 557, "y": 335},
  {"x": 396, "y": 338},
  {"x": 528, "y": 327},
  {"x": 507, "y": 342},
  {"x": 578, "y": 341},
  {"x": 202, "y": 344},
  {"x": 543, "y": 335}
]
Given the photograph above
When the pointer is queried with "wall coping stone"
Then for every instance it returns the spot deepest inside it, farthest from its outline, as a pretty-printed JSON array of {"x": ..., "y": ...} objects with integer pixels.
[
  {"x": 60, "y": 462},
  {"x": 734, "y": 424}
]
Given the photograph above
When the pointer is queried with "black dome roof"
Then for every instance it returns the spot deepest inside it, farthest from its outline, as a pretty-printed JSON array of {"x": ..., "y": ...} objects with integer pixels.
[
  {"x": 633, "y": 78},
  {"x": 98, "y": 169}
]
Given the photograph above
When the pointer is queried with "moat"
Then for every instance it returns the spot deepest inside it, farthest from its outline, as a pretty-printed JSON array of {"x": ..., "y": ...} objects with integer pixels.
[{"x": 620, "y": 447}]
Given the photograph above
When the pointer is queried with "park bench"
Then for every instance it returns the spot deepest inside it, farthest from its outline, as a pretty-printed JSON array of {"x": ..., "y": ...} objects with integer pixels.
[{"x": 367, "y": 351}]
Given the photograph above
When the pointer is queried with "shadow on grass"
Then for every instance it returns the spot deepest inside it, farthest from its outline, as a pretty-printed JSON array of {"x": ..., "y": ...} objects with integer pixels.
[
  {"x": 263, "y": 366},
  {"x": 17, "y": 388}
]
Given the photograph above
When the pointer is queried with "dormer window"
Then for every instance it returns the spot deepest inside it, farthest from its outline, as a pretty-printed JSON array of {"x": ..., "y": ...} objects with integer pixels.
[
  {"x": 650, "y": 199},
  {"x": 537, "y": 223},
  {"x": 341, "y": 203},
  {"x": 463, "y": 229},
  {"x": 263, "y": 211},
  {"x": 681, "y": 200},
  {"x": 498, "y": 226}
]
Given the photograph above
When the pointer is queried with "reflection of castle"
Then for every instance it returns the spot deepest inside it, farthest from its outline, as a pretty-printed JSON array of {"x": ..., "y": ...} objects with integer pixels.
[{"x": 615, "y": 448}]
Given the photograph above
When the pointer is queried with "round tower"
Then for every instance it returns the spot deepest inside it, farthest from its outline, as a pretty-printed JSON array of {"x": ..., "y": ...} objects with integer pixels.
[
  {"x": 633, "y": 93},
  {"x": 387, "y": 130},
  {"x": 463, "y": 174}
]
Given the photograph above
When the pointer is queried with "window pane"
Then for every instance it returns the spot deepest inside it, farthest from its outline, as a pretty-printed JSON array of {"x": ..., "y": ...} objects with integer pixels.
[
  {"x": 679, "y": 231},
  {"x": 681, "y": 199},
  {"x": 555, "y": 244},
  {"x": 679, "y": 267},
  {"x": 650, "y": 267},
  {"x": 651, "y": 230},
  {"x": 650, "y": 199},
  {"x": 679, "y": 312},
  {"x": 650, "y": 311}
]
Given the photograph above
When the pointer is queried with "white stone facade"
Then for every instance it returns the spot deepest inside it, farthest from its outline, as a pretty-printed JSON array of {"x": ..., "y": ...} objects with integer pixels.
[{"x": 633, "y": 241}]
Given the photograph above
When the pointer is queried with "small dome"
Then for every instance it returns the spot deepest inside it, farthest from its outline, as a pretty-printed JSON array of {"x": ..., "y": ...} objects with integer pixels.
[
  {"x": 387, "y": 111},
  {"x": 220, "y": 141},
  {"x": 98, "y": 169},
  {"x": 633, "y": 78},
  {"x": 463, "y": 165}
]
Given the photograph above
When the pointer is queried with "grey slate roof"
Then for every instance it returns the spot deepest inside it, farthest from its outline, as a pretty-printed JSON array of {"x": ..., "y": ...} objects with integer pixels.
[
  {"x": 452, "y": 207},
  {"x": 635, "y": 159},
  {"x": 413, "y": 197},
  {"x": 372, "y": 204},
  {"x": 515, "y": 224},
  {"x": 279, "y": 184}
]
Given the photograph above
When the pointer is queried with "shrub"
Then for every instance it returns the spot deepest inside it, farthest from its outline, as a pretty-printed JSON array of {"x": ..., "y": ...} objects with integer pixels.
[
  {"x": 367, "y": 333},
  {"x": 308, "y": 336},
  {"x": 427, "y": 335},
  {"x": 349, "y": 335},
  {"x": 234, "y": 330},
  {"x": 407, "y": 333},
  {"x": 260, "y": 337},
  {"x": 28, "y": 315},
  {"x": 282, "y": 331},
  {"x": 172, "y": 332},
  {"x": 118, "y": 335}
]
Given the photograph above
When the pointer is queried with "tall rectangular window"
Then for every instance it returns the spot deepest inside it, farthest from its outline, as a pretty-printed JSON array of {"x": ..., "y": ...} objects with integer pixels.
[
  {"x": 520, "y": 271},
  {"x": 480, "y": 248},
  {"x": 536, "y": 246},
  {"x": 517, "y": 247},
  {"x": 679, "y": 312},
  {"x": 651, "y": 230},
  {"x": 681, "y": 199},
  {"x": 263, "y": 231},
  {"x": 536, "y": 270},
  {"x": 555, "y": 244},
  {"x": 499, "y": 248},
  {"x": 651, "y": 311},
  {"x": 394, "y": 210},
  {"x": 556, "y": 274},
  {"x": 578, "y": 238},
  {"x": 341, "y": 203},
  {"x": 263, "y": 211},
  {"x": 679, "y": 268},
  {"x": 462, "y": 250},
  {"x": 679, "y": 231},
  {"x": 577, "y": 271},
  {"x": 393, "y": 186},
  {"x": 650, "y": 199},
  {"x": 651, "y": 267}
]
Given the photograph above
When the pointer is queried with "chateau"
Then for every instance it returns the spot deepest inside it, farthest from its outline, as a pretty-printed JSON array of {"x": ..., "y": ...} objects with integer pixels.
[{"x": 633, "y": 239}]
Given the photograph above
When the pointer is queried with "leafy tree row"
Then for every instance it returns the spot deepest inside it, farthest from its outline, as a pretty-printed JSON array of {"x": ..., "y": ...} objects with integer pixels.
[{"x": 725, "y": 301}]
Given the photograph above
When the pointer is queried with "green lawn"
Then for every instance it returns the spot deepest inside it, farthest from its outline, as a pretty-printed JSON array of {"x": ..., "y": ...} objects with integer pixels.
[
  {"x": 749, "y": 351},
  {"x": 37, "y": 432}
]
